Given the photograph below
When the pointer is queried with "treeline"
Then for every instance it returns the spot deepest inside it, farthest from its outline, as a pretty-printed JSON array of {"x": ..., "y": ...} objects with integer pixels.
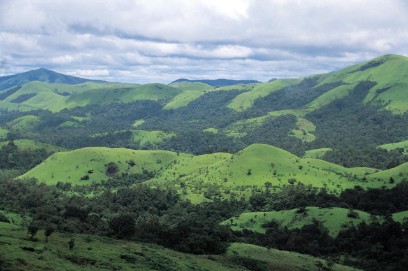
[
  {"x": 137, "y": 212},
  {"x": 11, "y": 157}
]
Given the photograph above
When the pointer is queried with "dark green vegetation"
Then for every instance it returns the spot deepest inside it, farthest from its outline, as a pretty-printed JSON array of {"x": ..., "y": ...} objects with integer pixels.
[{"x": 236, "y": 169}]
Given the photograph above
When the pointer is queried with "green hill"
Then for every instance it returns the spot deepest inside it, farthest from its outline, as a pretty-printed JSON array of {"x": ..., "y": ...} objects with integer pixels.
[
  {"x": 26, "y": 144},
  {"x": 42, "y": 75},
  {"x": 101, "y": 253},
  {"x": 333, "y": 219},
  {"x": 90, "y": 164}
]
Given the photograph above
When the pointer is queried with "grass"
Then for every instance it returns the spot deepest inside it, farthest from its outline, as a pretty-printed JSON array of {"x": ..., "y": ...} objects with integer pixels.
[
  {"x": 71, "y": 166},
  {"x": 333, "y": 219},
  {"x": 3, "y": 133},
  {"x": 398, "y": 145},
  {"x": 400, "y": 216},
  {"x": 27, "y": 144},
  {"x": 198, "y": 86},
  {"x": 152, "y": 138},
  {"x": 316, "y": 153},
  {"x": 23, "y": 123},
  {"x": 183, "y": 99},
  {"x": 281, "y": 260},
  {"x": 205, "y": 177},
  {"x": 245, "y": 100},
  {"x": 99, "y": 253},
  {"x": 56, "y": 97}
]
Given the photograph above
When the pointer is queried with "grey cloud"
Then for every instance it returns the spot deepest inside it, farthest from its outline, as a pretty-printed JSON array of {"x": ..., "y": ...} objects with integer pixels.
[{"x": 162, "y": 40}]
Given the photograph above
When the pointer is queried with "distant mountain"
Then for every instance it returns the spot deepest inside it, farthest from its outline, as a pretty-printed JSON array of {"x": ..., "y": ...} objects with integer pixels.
[
  {"x": 217, "y": 82},
  {"x": 42, "y": 75}
]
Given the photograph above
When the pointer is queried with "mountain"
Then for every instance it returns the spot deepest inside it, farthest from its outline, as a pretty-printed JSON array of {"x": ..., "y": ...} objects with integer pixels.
[
  {"x": 217, "y": 82},
  {"x": 42, "y": 75}
]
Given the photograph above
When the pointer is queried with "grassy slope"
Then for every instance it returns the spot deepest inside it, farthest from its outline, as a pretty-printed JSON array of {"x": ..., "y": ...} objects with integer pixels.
[
  {"x": 71, "y": 166},
  {"x": 149, "y": 137},
  {"x": 400, "y": 216},
  {"x": 56, "y": 97},
  {"x": 192, "y": 86},
  {"x": 97, "y": 253},
  {"x": 195, "y": 174},
  {"x": 334, "y": 219},
  {"x": 246, "y": 100},
  {"x": 397, "y": 145},
  {"x": 280, "y": 260},
  {"x": 183, "y": 99},
  {"x": 25, "y": 144},
  {"x": 390, "y": 73},
  {"x": 3, "y": 133},
  {"x": 23, "y": 123},
  {"x": 316, "y": 153}
]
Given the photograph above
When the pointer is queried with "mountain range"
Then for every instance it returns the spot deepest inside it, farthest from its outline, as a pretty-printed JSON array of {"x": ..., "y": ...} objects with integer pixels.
[{"x": 194, "y": 164}]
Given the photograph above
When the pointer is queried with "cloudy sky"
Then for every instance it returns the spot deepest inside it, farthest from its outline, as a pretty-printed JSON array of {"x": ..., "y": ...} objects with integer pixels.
[{"x": 163, "y": 40}]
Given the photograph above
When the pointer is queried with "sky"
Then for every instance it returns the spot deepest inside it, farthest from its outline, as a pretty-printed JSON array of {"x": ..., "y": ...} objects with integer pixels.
[{"x": 145, "y": 41}]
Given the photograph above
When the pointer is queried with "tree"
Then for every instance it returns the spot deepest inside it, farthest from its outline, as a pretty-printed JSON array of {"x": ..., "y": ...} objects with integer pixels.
[
  {"x": 122, "y": 225},
  {"x": 48, "y": 231},
  {"x": 71, "y": 244},
  {"x": 32, "y": 229}
]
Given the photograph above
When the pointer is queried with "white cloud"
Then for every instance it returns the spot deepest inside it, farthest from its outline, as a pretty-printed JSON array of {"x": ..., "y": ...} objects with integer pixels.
[{"x": 167, "y": 39}]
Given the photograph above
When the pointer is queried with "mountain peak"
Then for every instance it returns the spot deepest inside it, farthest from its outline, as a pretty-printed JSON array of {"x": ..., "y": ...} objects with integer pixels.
[{"x": 42, "y": 75}]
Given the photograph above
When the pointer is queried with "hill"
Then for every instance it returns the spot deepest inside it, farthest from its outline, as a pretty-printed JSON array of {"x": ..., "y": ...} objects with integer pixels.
[
  {"x": 101, "y": 253},
  {"x": 42, "y": 75},
  {"x": 217, "y": 82},
  {"x": 333, "y": 219},
  {"x": 210, "y": 176}
]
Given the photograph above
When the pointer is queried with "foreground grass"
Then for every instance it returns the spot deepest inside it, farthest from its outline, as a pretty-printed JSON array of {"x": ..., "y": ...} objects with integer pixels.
[{"x": 97, "y": 253}]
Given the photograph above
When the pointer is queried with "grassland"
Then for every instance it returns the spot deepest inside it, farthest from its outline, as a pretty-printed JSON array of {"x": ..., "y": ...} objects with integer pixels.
[
  {"x": 199, "y": 86},
  {"x": 27, "y": 144},
  {"x": 23, "y": 123},
  {"x": 56, "y": 97},
  {"x": 202, "y": 177},
  {"x": 183, "y": 99},
  {"x": 316, "y": 153},
  {"x": 333, "y": 219},
  {"x": 144, "y": 138},
  {"x": 280, "y": 260},
  {"x": 18, "y": 252},
  {"x": 398, "y": 145},
  {"x": 3, "y": 133},
  {"x": 71, "y": 166}
]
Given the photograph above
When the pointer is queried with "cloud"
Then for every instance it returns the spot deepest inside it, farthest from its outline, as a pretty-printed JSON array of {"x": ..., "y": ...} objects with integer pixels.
[{"x": 162, "y": 40}]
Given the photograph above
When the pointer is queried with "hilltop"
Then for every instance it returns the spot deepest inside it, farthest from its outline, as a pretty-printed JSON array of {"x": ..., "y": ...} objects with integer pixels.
[{"x": 41, "y": 75}]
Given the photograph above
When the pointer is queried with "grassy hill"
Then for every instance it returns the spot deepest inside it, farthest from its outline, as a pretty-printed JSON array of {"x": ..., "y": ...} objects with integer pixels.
[
  {"x": 26, "y": 144},
  {"x": 334, "y": 219},
  {"x": 207, "y": 176},
  {"x": 72, "y": 166},
  {"x": 99, "y": 253}
]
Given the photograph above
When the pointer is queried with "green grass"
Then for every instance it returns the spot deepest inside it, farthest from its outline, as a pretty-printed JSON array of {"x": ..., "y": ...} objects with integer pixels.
[
  {"x": 150, "y": 137},
  {"x": 27, "y": 144},
  {"x": 137, "y": 123},
  {"x": 333, "y": 219},
  {"x": 56, "y": 97},
  {"x": 183, "y": 99},
  {"x": 26, "y": 122},
  {"x": 280, "y": 260},
  {"x": 245, "y": 100},
  {"x": 390, "y": 76},
  {"x": 99, "y": 253},
  {"x": 316, "y": 153},
  {"x": 203, "y": 177},
  {"x": 400, "y": 216},
  {"x": 71, "y": 166},
  {"x": 3, "y": 133},
  {"x": 397, "y": 145},
  {"x": 198, "y": 86}
]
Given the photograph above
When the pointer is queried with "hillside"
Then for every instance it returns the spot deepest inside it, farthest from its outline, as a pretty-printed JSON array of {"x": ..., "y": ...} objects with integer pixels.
[
  {"x": 42, "y": 75},
  {"x": 211, "y": 176},
  {"x": 97, "y": 253}
]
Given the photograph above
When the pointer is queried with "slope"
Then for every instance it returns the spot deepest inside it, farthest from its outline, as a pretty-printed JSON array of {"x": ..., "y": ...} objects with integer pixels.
[
  {"x": 42, "y": 75},
  {"x": 99, "y": 253}
]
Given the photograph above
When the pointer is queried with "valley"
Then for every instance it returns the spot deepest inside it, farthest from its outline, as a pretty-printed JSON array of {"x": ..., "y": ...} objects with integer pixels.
[{"x": 206, "y": 174}]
